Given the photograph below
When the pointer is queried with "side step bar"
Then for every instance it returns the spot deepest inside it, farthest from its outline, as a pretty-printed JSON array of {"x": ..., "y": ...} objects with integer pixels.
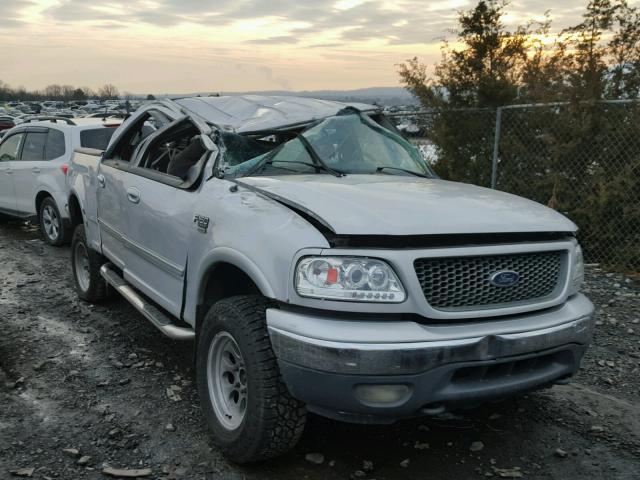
[{"x": 159, "y": 320}]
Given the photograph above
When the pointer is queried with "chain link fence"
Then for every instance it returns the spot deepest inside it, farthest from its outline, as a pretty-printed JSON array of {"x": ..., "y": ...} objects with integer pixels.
[
  {"x": 580, "y": 159},
  {"x": 457, "y": 143}
]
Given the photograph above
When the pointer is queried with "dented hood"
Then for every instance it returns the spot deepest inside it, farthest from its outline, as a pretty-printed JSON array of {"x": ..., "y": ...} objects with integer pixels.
[{"x": 402, "y": 205}]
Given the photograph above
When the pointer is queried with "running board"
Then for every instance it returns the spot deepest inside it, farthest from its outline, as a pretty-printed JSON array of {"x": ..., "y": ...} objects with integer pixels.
[{"x": 159, "y": 320}]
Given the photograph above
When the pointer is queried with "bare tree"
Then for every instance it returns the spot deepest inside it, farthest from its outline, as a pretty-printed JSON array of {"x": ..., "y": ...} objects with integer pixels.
[
  {"x": 89, "y": 92},
  {"x": 108, "y": 91},
  {"x": 67, "y": 92},
  {"x": 53, "y": 91}
]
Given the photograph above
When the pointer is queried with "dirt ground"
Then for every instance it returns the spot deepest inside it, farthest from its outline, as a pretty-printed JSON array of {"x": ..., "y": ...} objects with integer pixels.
[{"x": 84, "y": 388}]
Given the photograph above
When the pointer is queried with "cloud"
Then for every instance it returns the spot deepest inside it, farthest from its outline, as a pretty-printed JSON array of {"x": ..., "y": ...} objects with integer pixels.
[
  {"x": 403, "y": 22},
  {"x": 363, "y": 21},
  {"x": 12, "y": 13},
  {"x": 279, "y": 40},
  {"x": 12, "y": 23},
  {"x": 200, "y": 45}
]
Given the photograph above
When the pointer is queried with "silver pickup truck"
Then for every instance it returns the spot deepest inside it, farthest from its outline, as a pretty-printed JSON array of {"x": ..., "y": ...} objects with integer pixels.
[{"x": 321, "y": 266}]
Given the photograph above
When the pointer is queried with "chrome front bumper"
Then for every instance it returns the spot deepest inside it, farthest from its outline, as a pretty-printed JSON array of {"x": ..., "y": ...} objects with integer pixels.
[
  {"x": 324, "y": 360},
  {"x": 390, "y": 347}
]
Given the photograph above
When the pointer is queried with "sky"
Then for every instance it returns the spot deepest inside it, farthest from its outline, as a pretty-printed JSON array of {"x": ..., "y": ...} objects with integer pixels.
[{"x": 182, "y": 46}]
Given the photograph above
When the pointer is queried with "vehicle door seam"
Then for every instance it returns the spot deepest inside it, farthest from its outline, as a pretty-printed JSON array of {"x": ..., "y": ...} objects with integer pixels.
[{"x": 153, "y": 257}]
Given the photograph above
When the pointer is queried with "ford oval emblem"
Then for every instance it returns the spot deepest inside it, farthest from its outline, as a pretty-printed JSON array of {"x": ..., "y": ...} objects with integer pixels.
[{"x": 504, "y": 278}]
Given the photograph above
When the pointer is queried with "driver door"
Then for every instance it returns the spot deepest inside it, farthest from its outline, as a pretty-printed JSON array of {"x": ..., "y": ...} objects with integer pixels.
[
  {"x": 159, "y": 222},
  {"x": 113, "y": 205}
]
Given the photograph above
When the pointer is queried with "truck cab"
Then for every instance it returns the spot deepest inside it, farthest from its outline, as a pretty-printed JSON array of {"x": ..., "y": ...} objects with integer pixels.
[{"x": 319, "y": 265}]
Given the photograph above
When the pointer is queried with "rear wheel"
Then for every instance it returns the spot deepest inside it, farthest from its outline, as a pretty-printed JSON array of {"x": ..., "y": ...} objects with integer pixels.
[
  {"x": 250, "y": 412},
  {"x": 51, "y": 224},
  {"x": 86, "y": 264}
]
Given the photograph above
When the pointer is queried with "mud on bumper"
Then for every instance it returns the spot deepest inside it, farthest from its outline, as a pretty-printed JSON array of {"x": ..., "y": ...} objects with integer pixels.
[{"x": 347, "y": 371}]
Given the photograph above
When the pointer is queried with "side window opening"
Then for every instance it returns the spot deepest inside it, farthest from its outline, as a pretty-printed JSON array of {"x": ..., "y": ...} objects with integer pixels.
[
  {"x": 137, "y": 133},
  {"x": 33, "y": 148},
  {"x": 10, "y": 148},
  {"x": 177, "y": 152},
  {"x": 97, "y": 138},
  {"x": 54, "y": 147}
]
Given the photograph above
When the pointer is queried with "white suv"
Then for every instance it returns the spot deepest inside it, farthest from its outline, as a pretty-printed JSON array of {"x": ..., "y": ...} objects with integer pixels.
[{"x": 34, "y": 159}]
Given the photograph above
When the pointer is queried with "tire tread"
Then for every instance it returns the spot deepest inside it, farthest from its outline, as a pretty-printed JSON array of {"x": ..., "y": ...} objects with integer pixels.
[
  {"x": 282, "y": 418},
  {"x": 98, "y": 289}
]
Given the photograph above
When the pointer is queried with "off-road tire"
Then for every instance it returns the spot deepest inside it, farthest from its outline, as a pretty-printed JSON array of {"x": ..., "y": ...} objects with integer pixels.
[
  {"x": 98, "y": 289},
  {"x": 64, "y": 232},
  {"x": 273, "y": 421}
]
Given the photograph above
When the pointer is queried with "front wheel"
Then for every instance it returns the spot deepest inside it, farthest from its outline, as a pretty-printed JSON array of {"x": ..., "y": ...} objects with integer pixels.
[{"x": 250, "y": 412}]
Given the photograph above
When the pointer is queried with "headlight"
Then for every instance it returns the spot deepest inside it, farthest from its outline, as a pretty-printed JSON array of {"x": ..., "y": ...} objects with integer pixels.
[
  {"x": 578, "y": 271},
  {"x": 357, "y": 279}
]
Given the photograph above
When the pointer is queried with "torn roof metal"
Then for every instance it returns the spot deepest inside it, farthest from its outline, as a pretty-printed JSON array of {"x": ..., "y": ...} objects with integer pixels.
[{"x": 256, "y": 113}]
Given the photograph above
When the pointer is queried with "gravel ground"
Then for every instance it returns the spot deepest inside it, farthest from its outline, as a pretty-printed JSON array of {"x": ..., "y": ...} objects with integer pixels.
[{"x": 85, "y": 388}]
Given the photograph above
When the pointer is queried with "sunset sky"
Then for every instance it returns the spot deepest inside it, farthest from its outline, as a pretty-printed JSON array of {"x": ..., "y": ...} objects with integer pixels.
[{"x": 181, "y": 46}]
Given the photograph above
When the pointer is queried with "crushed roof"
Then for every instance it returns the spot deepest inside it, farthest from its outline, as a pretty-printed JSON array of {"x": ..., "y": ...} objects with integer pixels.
[{"x": 254, "y": 113}]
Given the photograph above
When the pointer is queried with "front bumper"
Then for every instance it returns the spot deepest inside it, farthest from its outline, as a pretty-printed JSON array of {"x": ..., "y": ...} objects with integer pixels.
[{"x": 325, "y": 361}]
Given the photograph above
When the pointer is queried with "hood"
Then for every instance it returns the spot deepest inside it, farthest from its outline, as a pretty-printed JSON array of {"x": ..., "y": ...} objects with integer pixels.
[{"x": 402, "y": 205}]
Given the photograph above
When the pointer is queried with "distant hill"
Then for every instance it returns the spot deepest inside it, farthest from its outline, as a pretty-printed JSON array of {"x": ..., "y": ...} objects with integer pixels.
[{"x": 380, "y": 95}]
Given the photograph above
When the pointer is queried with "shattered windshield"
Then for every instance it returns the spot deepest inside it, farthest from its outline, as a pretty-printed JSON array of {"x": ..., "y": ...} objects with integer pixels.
[{"x": 343, "y": 144}]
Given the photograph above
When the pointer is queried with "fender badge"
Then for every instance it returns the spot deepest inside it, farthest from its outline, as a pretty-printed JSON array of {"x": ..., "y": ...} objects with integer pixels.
[{"x": 201, "y": 222}]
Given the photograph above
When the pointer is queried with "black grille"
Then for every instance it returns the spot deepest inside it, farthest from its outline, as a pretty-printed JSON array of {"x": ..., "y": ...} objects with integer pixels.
[{"x": 463, "y": 283}]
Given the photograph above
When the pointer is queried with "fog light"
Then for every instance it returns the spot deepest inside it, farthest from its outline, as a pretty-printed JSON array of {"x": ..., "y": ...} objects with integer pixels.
[{"x": 382, "y": 394}]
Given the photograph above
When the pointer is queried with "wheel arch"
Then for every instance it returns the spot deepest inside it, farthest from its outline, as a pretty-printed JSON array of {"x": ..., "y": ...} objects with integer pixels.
[
  {"x": 75, "y": 210},
  {"x": 226, "y": 273},
  {"x": 222, "y": 280},
  {"x": 40, "y": 196}
]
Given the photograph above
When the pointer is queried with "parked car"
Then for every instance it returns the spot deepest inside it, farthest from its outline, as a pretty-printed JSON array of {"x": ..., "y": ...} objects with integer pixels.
[
  {"x": 6, "y": 122},
  {"x": 108, "y": 114},
  {"x": 321, "y": 266},
  {"x": 34, "y": 159}
]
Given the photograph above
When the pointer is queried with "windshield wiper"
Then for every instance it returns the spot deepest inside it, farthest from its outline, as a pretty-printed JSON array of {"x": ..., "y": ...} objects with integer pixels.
[
  {"x": 316, "y": 158},
  {"x": 405, "y": 170},
  {"x": 308, "y": 164}
]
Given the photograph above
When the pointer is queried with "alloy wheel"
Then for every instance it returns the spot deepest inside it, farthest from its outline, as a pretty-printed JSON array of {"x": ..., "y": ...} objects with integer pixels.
[
  {"x": 82, "y": 266},
  {"x": 227, "y": 380},
  {"x": 51, "y": 223}
]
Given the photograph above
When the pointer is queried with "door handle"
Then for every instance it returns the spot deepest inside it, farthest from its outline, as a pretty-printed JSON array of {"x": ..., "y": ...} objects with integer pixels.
[
  {"x": 133, "y": 195},
  {"x": 8, "y": 171},
  {"x": 101, "y": 180},
  {"x": 35, "y": 170}
]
